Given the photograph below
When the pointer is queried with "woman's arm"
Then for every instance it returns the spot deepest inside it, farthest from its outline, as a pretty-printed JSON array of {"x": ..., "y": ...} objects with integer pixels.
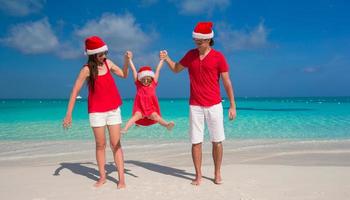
[
  {"x": 123, "y": 73},
  {"x": 83, "y": 75}
]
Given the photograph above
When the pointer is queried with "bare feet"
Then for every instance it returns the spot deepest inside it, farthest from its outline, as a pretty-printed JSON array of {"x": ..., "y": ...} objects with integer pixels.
[
  {"x": 196, "y": 181},
  {"x": 121, "y": 185},
  {"x": 170, "y": 125},
  {"x": 100, "y": 182}
]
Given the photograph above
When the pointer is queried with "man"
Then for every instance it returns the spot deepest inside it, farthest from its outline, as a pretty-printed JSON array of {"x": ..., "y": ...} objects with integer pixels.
[{"x": 205, "y": 67}]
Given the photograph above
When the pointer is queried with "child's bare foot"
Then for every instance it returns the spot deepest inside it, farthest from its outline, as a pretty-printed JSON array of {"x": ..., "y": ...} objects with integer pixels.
[
  {"x": 121, "y": 185},
  {"x": 123, "y": 131},
  {"x": 170, "y": 125},
  {"x": 100, "y": 182},
  {"x": 196, "y": 181}
]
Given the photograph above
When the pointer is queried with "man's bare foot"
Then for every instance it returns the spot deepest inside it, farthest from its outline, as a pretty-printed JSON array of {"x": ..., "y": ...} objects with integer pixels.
[
  {"x": 170, "y": 125},
  {"x": 196, "y": 181},
  {"x": 121, "y": 185},
  {"x": 218, "y": 180},
  {"x": 100, "y": 182}
]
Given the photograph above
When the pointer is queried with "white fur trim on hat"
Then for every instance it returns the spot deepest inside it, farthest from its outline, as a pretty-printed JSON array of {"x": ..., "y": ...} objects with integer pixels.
[
  {"x": 145, "y": 73},
  {"x": 203, "y": 36},
  {"x": 98, "y": 50}
]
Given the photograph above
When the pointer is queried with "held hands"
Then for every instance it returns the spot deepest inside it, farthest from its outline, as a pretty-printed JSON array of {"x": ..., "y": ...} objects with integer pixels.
[
  {"x": 128, "y": 55},
  {"x": 163, "y": 55}
]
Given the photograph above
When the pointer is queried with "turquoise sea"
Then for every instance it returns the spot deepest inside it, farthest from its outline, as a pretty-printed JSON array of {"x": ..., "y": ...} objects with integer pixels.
[{"x": 257, "y": 118}]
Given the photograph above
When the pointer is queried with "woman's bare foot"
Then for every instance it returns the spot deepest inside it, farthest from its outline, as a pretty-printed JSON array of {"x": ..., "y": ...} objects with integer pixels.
[
  {"x": 218, "y": 180},
  {"x": 100, "y": 182},
  {"x": 170, "y": 125},
  {"x": 196, "y": 181}
]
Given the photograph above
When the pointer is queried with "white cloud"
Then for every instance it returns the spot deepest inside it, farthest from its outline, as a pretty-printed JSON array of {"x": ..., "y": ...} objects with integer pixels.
[
  {"x": 194, "y": 7},
  {"x": 242, "y": 39},
  {"x": 120, "y": 32},
  {"x": 21, "y": 7},
  {"x": 32, "y": 37}
]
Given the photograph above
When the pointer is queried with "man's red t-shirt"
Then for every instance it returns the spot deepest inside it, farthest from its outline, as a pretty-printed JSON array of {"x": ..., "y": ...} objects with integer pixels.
[{"x": 205, "y": 76}]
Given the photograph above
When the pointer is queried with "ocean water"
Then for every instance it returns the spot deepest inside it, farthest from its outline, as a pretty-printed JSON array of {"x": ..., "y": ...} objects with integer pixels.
[{"x": 315, "y": 118}]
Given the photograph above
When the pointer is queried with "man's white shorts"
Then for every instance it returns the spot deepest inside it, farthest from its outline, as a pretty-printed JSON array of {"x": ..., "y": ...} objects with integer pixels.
[
  {"x": 213, "y": 117},
  {"x": 99, "y": 119}
]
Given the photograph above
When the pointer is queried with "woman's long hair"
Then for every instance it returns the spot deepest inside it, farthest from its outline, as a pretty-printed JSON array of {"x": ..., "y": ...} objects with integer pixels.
[{"x": 92, "y": 64}]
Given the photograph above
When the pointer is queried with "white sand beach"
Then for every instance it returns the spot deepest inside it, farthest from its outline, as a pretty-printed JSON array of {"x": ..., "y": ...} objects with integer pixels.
[{"x": 252, "y": 169}]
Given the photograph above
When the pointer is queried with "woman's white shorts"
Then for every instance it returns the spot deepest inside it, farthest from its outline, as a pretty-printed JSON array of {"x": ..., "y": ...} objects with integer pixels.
[
  {"x": 213, "y": 117},
  {"x": 99, "y": 119}
]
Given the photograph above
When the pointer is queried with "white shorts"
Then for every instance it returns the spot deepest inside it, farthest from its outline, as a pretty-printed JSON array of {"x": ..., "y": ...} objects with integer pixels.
[
  {"x": 213, "y": 117},
  {"x": 99, "y": 119}
]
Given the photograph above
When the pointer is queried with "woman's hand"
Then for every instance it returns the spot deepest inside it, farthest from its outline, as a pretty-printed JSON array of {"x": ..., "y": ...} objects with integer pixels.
[
  {"x": 128, "y": 55},
  {"x": 67, "y": 122}
]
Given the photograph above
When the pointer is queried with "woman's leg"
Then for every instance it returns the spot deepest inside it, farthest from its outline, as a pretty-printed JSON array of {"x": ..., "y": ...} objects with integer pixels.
[
  {"x": 169, "y": 125},
  {"x": 100, "y": 141},
  {"x": 131, "y": 121},
  {"x": 114, "y": 137}
]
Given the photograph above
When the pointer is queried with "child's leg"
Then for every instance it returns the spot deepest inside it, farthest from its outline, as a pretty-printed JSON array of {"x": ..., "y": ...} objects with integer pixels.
[
  {"x": 131, "y": 121},
  {"x": 169, "y": 125},
  {"x": 100, "y": 140},
  {"x": 114, "y": 138}
]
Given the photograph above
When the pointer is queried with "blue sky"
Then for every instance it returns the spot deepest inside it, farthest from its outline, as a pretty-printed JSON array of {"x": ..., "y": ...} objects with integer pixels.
[{"x": 274, "y": 48}]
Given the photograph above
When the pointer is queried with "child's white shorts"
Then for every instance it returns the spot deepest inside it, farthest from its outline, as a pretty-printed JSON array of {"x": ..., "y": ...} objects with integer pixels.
[
  {"x": 99, "y": 119},
  {"x": 213, "y": 117}
]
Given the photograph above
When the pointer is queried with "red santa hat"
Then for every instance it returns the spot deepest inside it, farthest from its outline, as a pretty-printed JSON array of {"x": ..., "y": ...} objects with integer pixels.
[
  {"x": 203, "y": 30},
  {"x": 145, "y": 71},
  {"x": 94, "y": 45}
]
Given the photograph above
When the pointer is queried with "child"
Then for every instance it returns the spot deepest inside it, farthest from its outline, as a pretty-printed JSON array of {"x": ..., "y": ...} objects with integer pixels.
[
  {"x": 146, "y": 107},
  {"x": 103, "y": 104}
]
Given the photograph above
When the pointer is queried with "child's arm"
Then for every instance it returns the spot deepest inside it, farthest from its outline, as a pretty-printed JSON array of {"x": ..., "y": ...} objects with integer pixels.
[
  {"x": 133, "y": 69},
  {"x": 159, "y": 67},
  {"x": 83, "y": 75}
]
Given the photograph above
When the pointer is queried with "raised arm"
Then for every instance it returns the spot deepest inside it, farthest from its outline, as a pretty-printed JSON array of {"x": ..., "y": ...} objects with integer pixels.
[
  {"x": 83, "y": 75},
  {"x": 159, "y": 67},
  {"x": 123, "y": 73},
  {"x": 229, "y": 91},
  {"x": 174, "y": 66},
  {"x": 128, "y": 57}
]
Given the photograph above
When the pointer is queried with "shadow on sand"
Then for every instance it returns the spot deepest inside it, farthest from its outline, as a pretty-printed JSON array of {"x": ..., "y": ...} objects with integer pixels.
[
  {"x": 88, "y": 170},
  {"x": 180, "y": 173}
]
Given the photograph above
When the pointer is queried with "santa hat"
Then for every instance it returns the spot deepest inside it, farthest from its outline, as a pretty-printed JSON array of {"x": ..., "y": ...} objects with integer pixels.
[
  {"x": 145, "y": 71},
  {"x": 94, "y": 45},
  {"x": 203, "y": 30}
]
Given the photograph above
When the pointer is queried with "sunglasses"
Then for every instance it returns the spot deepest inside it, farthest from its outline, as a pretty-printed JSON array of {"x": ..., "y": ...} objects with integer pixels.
[
  {"x": 102, "y": 54},
  {"x": 200, "y": 40}
]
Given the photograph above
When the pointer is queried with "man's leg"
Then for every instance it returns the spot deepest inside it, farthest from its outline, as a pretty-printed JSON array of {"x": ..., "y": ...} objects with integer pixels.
[
  {"x": 197, "y": 161},
  {"x": 215, "y": 122},
  {"x": 196, "y": 133},
  {"x": 217, "y": 157}
]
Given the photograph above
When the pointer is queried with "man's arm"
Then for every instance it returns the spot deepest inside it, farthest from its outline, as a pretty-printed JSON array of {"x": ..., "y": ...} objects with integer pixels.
[
  {"x": 175, "y": 67},
  {"x": 229, "y": 91}
]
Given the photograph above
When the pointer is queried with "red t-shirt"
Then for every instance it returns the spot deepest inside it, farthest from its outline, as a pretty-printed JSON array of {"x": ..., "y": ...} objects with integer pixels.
[{"x": 204, "y": 76}]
